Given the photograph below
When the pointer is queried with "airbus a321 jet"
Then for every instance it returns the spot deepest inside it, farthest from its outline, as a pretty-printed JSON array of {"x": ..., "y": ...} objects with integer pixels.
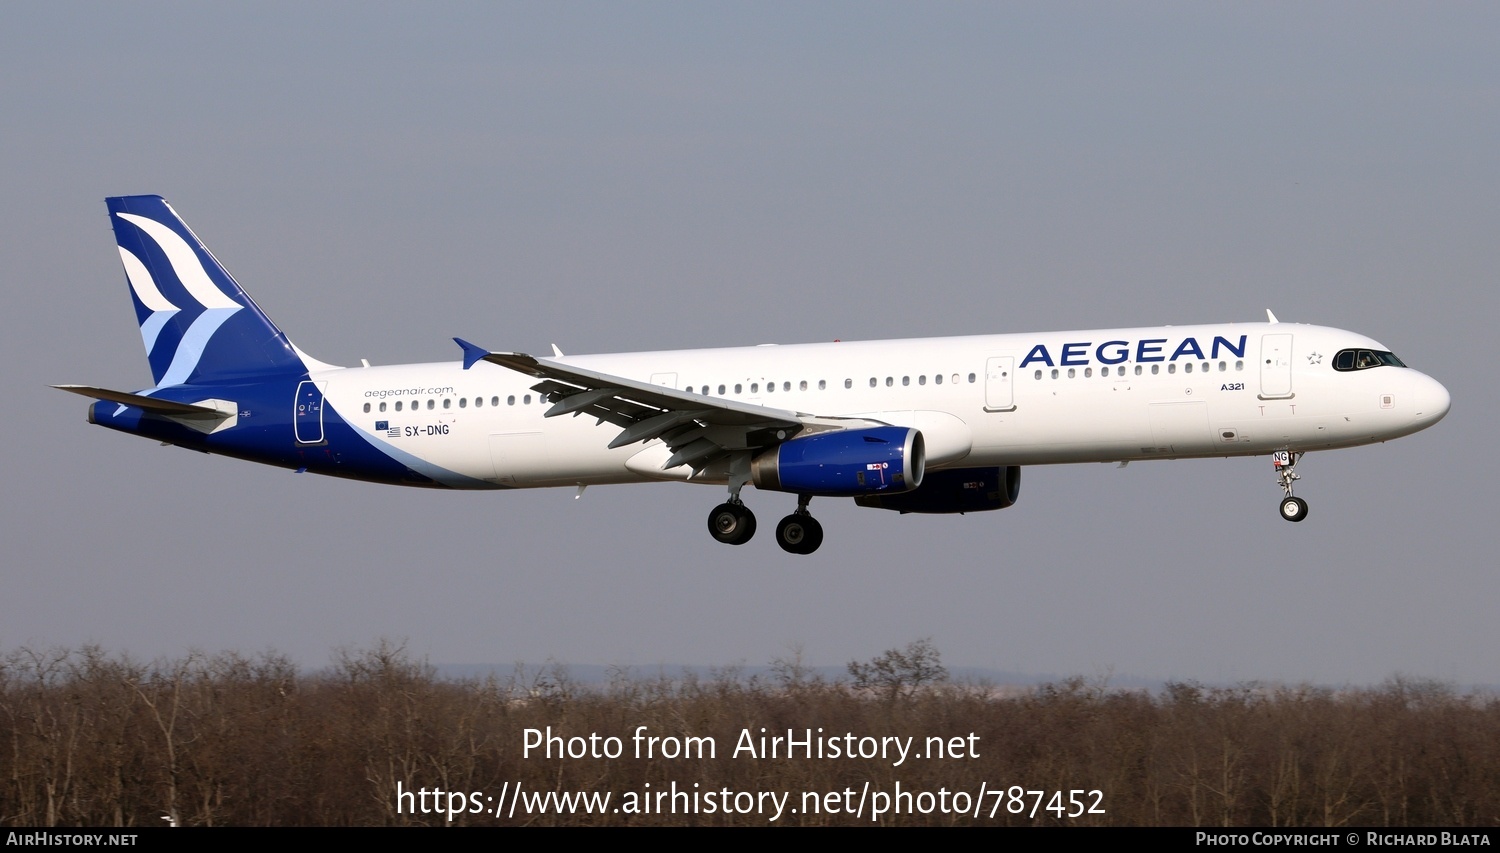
[{"x": 928, "y": 425}]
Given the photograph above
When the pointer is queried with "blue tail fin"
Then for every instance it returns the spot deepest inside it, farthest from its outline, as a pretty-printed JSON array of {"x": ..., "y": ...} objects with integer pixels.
[{"x": 197, "y": 324}]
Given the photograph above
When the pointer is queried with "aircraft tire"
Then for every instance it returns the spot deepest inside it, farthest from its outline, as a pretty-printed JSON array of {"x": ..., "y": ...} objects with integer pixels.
[
  {"x": 732, "y": 524},
  {"x": 799, "y": 534},
  {"x": 1294, "y": 509}
]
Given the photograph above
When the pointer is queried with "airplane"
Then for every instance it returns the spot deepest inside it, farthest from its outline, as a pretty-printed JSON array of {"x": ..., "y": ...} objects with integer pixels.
[{"x": 930, "y": 425}]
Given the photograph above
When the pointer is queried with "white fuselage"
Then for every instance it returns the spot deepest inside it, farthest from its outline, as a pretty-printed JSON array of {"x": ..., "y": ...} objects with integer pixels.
[{"x": 1014, "y": 399}]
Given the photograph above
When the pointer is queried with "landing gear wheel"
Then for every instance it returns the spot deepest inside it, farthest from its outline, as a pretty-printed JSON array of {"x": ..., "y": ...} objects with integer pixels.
[
  {"x": 799, "y": 533},
  {"x": 1293, "y": 509},
  {"x": 732, "y": 524}
]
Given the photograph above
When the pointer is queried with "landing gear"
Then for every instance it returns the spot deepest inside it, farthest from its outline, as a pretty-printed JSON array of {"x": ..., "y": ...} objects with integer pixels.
[
  {"x": 800, "y": 533},
  {"x": 731, "y": 523},
  {"x": 1285, "y": 461},
  {"x": 1294, "y": 509}
]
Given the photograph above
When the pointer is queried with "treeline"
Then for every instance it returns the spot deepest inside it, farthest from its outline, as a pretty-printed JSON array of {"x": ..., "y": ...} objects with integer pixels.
[{"x": 92, "y": 739}]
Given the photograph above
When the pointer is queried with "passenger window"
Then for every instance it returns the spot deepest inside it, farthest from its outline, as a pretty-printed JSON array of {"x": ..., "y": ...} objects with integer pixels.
[
  {"x": 721, "y": 390},
  {"x": 1171, "y": 368},
  {"x": 848, "y": 383},
  {"x": 382, "y": 406},
  {"x": 889, "y": 381},
  {"x": 906, "y": 380},
  {"x": 1072, "y": 373},
  {"x": 1187, "y": 368},
  {"x": 802, "y": 386},
  {"x": 737, "y": 387},
  {"x": 1087, "y": 372},
  {"x": 754, "y": 387},
  {"x": 398, "y": 405},
  {"x": 367, "y": 408},
  {"x": 511, "y": 400},
  {"x": 494, "y": 401},
  {"x": 922, "y": 380},
  {"x": 463, "y": 402},
  {"x": 1239, "y": 365},
  {"x": 1155, "y": 369},
  {"x": 787, "y": 386},
  {"x": 872, "y": 382},
  {"x": 447, "y": 403},
  {"x": 1137, "y": 370},
  {"x": 971, "y": 379},
  {"x": 822, "y": 384},
  {"x": 937, "y": 379},
  {"x": 770, "y": 387},
  {"x": 1039, "y": 374},
  {"x": 431, "y": 404},
  {"x": 1054, "y": 373},
  {"x": 955, "y": 379}
]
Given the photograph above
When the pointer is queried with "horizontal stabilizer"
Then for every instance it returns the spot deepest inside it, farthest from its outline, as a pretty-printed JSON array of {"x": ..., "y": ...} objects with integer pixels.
[{"x": 150, "y": 404}]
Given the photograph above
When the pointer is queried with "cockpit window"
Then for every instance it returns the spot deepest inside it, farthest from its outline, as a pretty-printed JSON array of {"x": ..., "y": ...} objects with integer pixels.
[{"x": 1364, "y": 359}]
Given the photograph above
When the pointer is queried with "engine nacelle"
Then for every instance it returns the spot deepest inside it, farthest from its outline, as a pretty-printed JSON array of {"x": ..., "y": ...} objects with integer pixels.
[
  {"x": 844, "y": 464},
  {"x": 957, "y": 490}
]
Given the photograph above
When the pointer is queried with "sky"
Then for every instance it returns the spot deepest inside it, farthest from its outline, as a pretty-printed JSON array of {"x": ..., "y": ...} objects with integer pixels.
[{"x": 612, "y": 177}]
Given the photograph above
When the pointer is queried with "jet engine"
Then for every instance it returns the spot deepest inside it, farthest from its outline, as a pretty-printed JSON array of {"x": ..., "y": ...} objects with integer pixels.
[
  {"x": 957, "y": 490},
  {"x": 876, "y": 460}
]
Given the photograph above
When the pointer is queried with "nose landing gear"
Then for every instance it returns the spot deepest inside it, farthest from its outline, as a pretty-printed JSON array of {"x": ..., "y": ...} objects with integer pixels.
[{"x": 1285, "y": 462}]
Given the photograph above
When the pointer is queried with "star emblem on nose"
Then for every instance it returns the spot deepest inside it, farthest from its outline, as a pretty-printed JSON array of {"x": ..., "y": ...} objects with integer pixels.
[{"x": 1315, "y": 358}]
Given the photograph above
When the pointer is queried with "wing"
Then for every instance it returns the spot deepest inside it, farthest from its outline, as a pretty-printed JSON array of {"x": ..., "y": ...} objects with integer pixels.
[{"x": 698, "y": 429}]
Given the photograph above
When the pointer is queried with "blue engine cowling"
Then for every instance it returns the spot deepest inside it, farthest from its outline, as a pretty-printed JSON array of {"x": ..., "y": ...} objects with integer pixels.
[
  {"x": 957, "y": 490},
  {"x": 845, "y": 463}
]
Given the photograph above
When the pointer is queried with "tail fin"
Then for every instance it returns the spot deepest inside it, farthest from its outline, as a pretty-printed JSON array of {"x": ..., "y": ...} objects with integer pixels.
[{"x": 196, "y": 322}]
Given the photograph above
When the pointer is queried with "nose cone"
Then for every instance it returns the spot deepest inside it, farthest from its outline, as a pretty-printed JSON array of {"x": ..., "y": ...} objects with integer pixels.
[{"x": 1432, "y": 401}]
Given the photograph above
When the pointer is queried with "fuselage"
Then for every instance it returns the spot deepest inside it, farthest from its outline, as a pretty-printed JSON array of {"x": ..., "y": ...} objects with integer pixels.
[{"x": 1008, "y": 400}]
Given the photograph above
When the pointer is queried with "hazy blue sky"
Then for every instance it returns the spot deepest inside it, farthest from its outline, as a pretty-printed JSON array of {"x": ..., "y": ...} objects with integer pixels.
[{"x": 648, "y": 176}]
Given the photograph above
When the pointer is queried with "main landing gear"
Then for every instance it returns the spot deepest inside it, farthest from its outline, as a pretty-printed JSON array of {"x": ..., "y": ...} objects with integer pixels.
[
  {"x": 1285, "y": 461},
  {"x": 800, "y": 533},
  {"x": 733, "y": 524}
]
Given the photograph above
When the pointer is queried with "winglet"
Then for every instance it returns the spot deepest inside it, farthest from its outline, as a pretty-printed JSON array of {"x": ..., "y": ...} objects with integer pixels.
[
  {"x": 472, "y": 353},
  {"x": 1271, "y": 318}
]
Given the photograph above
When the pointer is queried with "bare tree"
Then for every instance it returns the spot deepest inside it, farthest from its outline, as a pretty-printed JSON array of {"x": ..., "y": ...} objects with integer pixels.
[{"x": 900, "y": 673}]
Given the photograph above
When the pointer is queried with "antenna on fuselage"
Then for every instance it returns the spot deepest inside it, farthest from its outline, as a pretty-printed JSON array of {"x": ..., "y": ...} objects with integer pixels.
[{"x": 1271, "y": 318}]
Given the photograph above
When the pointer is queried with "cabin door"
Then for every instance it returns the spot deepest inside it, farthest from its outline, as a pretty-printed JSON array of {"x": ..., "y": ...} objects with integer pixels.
[
  {"x": 1275, "y": 366},
  {"x": 999, "y": 384},
  {"x": 307, "y": 413}
]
